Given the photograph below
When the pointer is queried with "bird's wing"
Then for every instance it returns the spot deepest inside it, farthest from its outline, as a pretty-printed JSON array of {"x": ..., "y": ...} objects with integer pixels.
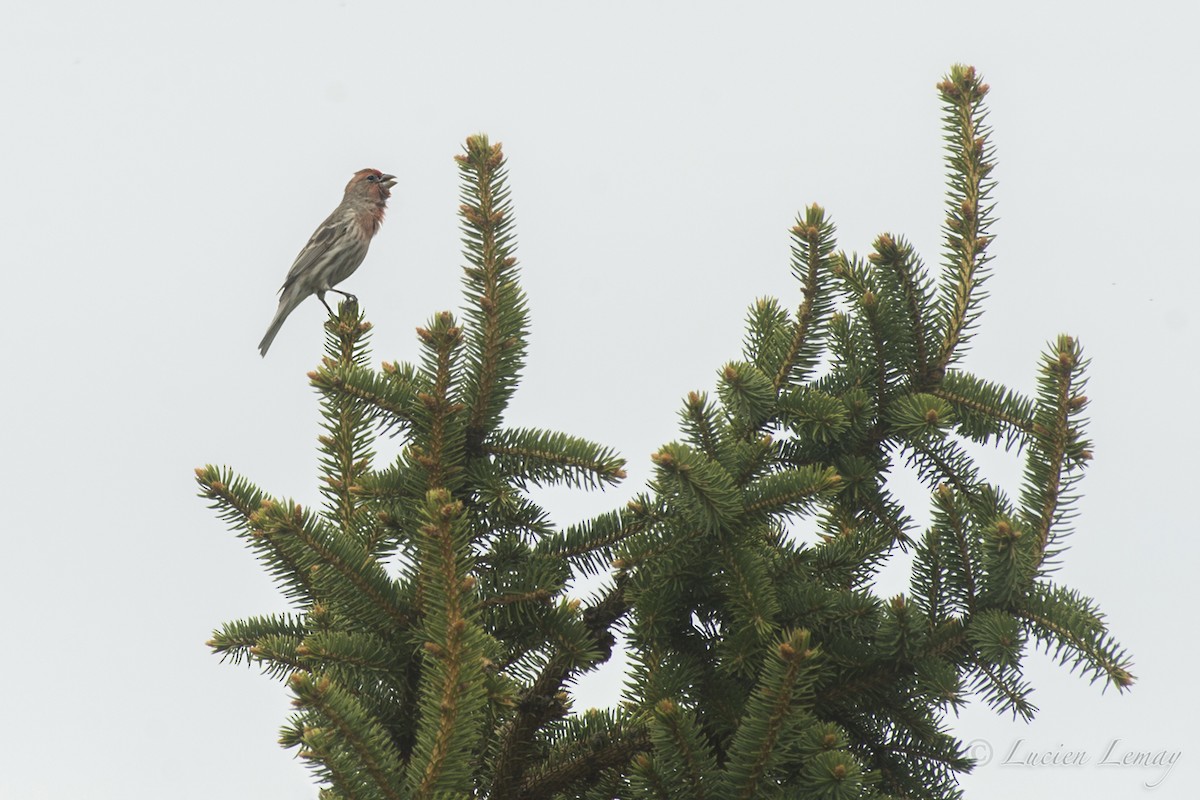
[{"x": 318, "y": 247}]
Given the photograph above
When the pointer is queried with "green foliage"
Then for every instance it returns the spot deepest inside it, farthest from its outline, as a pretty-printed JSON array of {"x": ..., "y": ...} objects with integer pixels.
[
  {"x": 433, "y": 644},
  {"x": 430, "y": 593}
]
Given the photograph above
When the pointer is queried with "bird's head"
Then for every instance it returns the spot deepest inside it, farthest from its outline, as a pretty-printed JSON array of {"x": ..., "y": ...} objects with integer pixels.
[{"x": 371, "y": 185}]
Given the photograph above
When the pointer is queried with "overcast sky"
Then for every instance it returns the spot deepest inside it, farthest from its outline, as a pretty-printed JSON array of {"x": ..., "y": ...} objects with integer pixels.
[{"x": 162, "y": 164}]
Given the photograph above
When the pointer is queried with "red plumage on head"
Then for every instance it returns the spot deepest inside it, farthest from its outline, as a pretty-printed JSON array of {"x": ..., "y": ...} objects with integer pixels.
[
  {"x": 371, "y": 182},
  {"x": 367, "y": 194}
]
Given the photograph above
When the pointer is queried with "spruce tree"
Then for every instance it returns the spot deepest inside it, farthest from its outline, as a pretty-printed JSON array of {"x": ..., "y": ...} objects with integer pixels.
[{"x": 433, "y": 645}]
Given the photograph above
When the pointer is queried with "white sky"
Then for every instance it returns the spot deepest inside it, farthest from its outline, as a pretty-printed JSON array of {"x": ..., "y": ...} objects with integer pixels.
[{"x": 162, "y": 163}]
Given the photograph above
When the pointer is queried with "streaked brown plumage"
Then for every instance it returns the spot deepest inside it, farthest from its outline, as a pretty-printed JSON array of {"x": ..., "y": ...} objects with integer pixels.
[{"x": 336, "y": 249}]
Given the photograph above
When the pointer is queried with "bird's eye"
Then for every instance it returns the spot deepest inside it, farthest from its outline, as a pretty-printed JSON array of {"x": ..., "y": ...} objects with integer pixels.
[{"x": 373, "y": 178}]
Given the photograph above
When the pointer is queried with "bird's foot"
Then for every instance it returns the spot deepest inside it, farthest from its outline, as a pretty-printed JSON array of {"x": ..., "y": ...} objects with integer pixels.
[{"x": 350, "y": 300}]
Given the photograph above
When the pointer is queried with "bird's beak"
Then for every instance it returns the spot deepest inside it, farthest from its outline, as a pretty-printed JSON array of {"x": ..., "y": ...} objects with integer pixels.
[{"x": 387, "y": 181}]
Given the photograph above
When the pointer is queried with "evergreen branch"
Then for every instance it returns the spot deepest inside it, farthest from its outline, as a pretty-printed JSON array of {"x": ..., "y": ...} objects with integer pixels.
[
  {"x": 906, "y": 767},
  {"x": 941, "y": 462},
  {"x": 702, "y": 425},
  {"x": 589, "y": 544},
  {"x": 236, "y": 641},
  {"x": 1002, "y": 694},
  {"x": 888, "y": 514},
  {"x": 769, "y": 335},
  {"x": 832, "y": 773},
  {"x": 546, "y": 458},
  {"x": 857, "y": 281},
  {"x": 986, "y": 409},
  {"x": 900, "y": 636},
  {"x": 813, "y": 244},
  {"x": 640, "y": 553},
  {"x": 929, "y": 576},
  {"x": 346, "y": 335},
  {"x": 896, "y": 258},
  {"x": 786, "y": 680},
  {"x": 244, "y": 633},
  {"x": 387, "y": 399},
  {"x": 533, "y": 596},
  {"x": 439, "y": 451},
  {"x": 997, "y": 638},
  {"x": 580, "y": 760},
  {"x": 647, "y": 778},
  {"x": 342, "y": 568},
  {"x": 681, "y": 753},
  {"x": 539, "y": 704},
  {"x": 814, "y": 415},
  {"x": 328, "y": 760},
  {"x": 1046, "y": 497},
  {"x": 753, "y": 602},
  {"x": 949, "y": 763},
  {"x": 357, "y": 649},
  {"x": 357, "y": 732},
  {"x": 1071, "y": 624},
  {"x": 951, "y": 521},
  {"x": 233, "y": 498},
  {"x": 453, "y": 694},
  {"x": 277, "y": 655},
  {"x": 948, "y": 639},
  {"x": 1010, "y": 559},
  {"x": 848, "y": 349},
  {"x": 541, "y": 701},
  {"x": 879, "y": 345},
  {"x": 346, "y": 454},
  {"x": 753, "y": 456},
  {"x": 496, "y": 503},
  {"x": 338, "y": 770},
  {"x": 853, "y": 545},
  {"x": 747, "y": 396},
  {"x": 790, "y": 491},
  {"x": 852, "y": 686},
  {"x": 702, "y": 487},
  {"x": 515, "y": 592},
  {"x": 969, "y": 157},
  {"x": 237, "y": 502},
  {"x": 498, "y": 313},
  {"x": 938, "y": 681},
  {"x": 919, "y": 417}
]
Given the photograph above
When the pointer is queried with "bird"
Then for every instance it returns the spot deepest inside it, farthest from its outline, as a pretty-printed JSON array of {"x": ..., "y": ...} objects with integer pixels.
[{"x": 336, "y": 248}]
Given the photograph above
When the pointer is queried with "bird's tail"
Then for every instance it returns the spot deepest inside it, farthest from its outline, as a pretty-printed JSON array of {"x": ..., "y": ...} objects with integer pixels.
[{"x": 287, "y": 305}]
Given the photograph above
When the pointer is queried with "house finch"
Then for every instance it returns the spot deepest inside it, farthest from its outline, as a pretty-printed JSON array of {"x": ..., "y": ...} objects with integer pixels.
[{"x": 336, "y": 248}]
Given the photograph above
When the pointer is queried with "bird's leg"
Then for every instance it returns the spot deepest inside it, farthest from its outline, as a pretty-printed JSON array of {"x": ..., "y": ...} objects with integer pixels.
[
  {"x": 346, "y": 295},
  {"x": 321, "y": 297}
]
